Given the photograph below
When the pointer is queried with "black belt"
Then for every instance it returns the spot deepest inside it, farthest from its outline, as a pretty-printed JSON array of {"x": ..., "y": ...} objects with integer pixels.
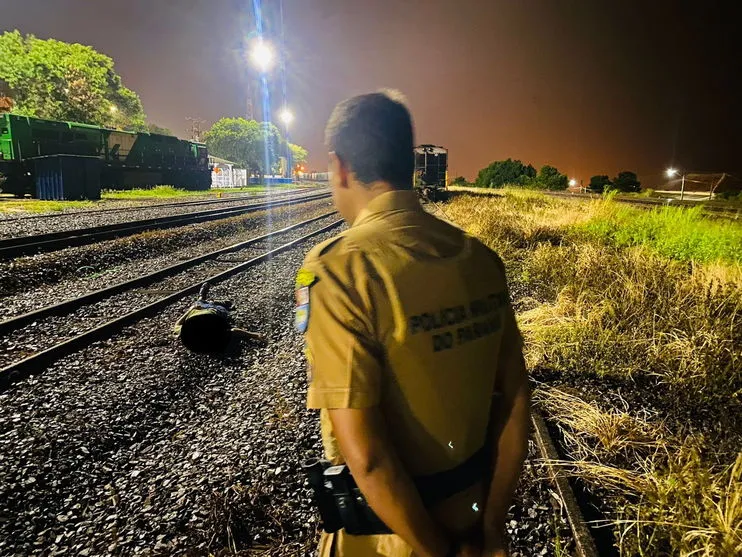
[{"x": 438, "y": 487}]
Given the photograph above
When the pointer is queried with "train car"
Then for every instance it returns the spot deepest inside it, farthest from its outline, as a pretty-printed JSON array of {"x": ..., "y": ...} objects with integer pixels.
[
  {"x": 431, "y": 172},
  {"x": 315, "y": 176},
  {"x": 67, "y": 160}
]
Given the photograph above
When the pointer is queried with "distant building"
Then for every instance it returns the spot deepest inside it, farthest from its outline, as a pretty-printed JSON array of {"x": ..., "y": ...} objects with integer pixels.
[{"x": 225, "y": 174}]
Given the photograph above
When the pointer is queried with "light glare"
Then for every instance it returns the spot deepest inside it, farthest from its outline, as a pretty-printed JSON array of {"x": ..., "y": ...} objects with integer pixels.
[
  {"x": 671, "y": 172},
  {"x": 262, "y": 56},
  {"x": 286, "y": 116}
]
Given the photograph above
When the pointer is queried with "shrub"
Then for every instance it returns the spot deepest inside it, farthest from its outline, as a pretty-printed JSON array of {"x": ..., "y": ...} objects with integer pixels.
[
  {"x": 500, "y": 173},
  {"x": 599, "y": 183}
]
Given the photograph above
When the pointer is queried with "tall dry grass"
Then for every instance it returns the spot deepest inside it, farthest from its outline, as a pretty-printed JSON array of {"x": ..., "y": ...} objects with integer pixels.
[{"x": 640, "y": 355}]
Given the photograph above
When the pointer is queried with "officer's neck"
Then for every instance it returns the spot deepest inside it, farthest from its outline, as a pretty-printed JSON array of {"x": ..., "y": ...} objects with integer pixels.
[
  {"x": 366, "y": 193},
  {"x": 363, "y": 194}
]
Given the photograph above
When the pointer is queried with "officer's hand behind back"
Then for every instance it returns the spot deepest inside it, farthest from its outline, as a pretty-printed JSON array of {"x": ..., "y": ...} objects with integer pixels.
[{"x": 469, "y": 549}]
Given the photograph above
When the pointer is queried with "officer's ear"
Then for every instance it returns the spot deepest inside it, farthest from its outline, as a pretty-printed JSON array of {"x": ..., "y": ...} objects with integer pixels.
[{"x": 339, "y": 171}]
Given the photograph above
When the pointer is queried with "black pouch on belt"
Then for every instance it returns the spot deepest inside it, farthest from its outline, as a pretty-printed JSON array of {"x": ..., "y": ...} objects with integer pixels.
[{"x": 342, "y": 505}]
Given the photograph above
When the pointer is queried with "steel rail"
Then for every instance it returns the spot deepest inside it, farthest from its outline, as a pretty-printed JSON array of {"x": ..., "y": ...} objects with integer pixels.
[
  {"x": 72, "y": 304},
  {"x": 40, "y": 243},
  {"x": 35, "y": 364},
  {"x": 584, "y": 542}
]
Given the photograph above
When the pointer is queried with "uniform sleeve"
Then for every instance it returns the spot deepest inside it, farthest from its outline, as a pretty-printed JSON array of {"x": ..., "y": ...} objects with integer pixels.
[{"x": 346, "y": 359}]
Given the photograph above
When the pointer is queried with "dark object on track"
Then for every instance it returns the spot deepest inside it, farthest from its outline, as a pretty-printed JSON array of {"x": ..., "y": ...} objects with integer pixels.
[
  {"x": 431, "y": 172},
  {"x": 206, "y": 327},
  {"x": 26, "y": 245},
  {"x": 52, "y": 160},
  {"x": 37, "y": 362}
]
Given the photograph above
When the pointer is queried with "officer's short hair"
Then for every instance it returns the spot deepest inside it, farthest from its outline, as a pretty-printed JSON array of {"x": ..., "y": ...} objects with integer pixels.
[{"x": 372, "y": 134}]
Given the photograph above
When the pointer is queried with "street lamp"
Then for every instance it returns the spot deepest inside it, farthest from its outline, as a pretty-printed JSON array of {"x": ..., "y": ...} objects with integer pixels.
[
  {"x": 670, "y": 172},
  {"x": 262, "y": 55},
  {"x": 572, "y": 183},
  {"x": 286, "y": 117}
]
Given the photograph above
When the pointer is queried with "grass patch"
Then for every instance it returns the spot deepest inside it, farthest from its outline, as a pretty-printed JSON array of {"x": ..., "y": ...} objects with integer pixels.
[
  {"x": 167, "y": 192},
  {"x": 678, "y": 233},
  {"x": 15, "y": 206},
  {"x": 632, "y": 326}
]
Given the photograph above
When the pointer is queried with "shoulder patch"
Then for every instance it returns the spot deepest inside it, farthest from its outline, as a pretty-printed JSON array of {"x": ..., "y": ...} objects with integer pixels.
[
  {"x": 305, "y": 278},
  {"x": 301, "y": 318}
]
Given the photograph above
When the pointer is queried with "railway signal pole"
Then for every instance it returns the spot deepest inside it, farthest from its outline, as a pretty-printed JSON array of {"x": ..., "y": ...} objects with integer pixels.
[{"x": 195, "y": 128}]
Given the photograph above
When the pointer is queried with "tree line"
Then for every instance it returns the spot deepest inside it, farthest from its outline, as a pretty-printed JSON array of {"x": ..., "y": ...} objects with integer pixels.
[
  {"x": 514, "y": 173},
  {"x": 251, "y": 144},
  {"x": 625, "y": 181},
  {"x": 54, "y": 80}
]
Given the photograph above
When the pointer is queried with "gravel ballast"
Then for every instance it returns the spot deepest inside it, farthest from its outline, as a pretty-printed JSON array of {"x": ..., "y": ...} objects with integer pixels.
[
  {"x": 124, "y": 211},
  {"x": 45, "y": 333},
  {"x": 74, "y": 271},
  {"x": 134, "y": 446}
]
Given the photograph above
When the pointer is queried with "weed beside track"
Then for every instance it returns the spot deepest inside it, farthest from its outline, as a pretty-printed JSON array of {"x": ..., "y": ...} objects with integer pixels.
[{"x": 632, "y": 325}]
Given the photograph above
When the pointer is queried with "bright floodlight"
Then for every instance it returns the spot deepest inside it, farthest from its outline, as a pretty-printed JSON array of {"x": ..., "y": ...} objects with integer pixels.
[
  {"x": 262, "y": 56},
  {"x": 286, "y": 116},
  {"x": 573, "y": 182},
  {"x": 114, "y": 109},
  {"x": 671, "y": 172}
]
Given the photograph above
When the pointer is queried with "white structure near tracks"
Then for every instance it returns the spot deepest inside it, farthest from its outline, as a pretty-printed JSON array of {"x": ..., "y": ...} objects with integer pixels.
[{"x": 225, "y": 174}]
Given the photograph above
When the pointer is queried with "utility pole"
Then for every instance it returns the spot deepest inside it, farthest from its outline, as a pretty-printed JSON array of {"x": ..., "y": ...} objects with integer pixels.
[
  {"x": 250, "y": 113},
  {"x": 195, "y": 128}
]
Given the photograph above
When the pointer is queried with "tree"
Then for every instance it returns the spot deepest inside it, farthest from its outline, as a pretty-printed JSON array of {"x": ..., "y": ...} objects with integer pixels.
[
  {"x": 61, "y": 81},
  {"x": 154, "y": 128},
  {"x": 298, "y": 154},
  {"x": 247, "y": 142},
  {"x": 627, "y": 181},
  {"x": 600, "y": 183},
  {"x": 507, "y": 172},
  {"x": 549, "y": 178},
  {"x": 459, "y": 181}
]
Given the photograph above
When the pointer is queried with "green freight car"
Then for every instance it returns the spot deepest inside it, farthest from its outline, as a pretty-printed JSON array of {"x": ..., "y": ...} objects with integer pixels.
[{"x": 66, "y": 160}]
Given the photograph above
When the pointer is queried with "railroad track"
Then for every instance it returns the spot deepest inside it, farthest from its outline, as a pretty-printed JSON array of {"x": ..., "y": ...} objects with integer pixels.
[
  {"x": 41, "y": 243},
  {"x": 584, "y": 544},
  {"x": 716, "y": 210},
  {"x": 230, "y": 199},
  {"x": 572, "y": 506},
  {"x": 36, "y": 362}
]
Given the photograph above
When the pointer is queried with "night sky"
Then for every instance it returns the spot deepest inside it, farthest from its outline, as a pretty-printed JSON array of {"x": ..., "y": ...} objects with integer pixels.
[{"x": 591, "y": 87}]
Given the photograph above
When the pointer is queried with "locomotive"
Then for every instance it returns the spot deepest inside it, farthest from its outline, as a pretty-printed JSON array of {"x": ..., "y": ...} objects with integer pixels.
[
  {"x": 430, "y": 177},
  {"x": 66, "y": 160},
  {"x": 431, "y": 172}
]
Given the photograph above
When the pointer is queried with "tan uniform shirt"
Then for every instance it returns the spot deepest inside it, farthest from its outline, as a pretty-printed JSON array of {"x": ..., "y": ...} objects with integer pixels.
[{"x": 407, "y": 313}]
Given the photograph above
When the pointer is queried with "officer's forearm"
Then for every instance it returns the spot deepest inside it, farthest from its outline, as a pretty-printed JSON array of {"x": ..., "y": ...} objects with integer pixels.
[
  {"x": 393, "y": 497},
  {"x": 511, "y": 448},
  {"x": 384, "y": 482}
]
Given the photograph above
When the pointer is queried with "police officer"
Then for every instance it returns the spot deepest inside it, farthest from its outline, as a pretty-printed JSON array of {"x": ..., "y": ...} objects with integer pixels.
[{"x": 414, "y": 357}]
